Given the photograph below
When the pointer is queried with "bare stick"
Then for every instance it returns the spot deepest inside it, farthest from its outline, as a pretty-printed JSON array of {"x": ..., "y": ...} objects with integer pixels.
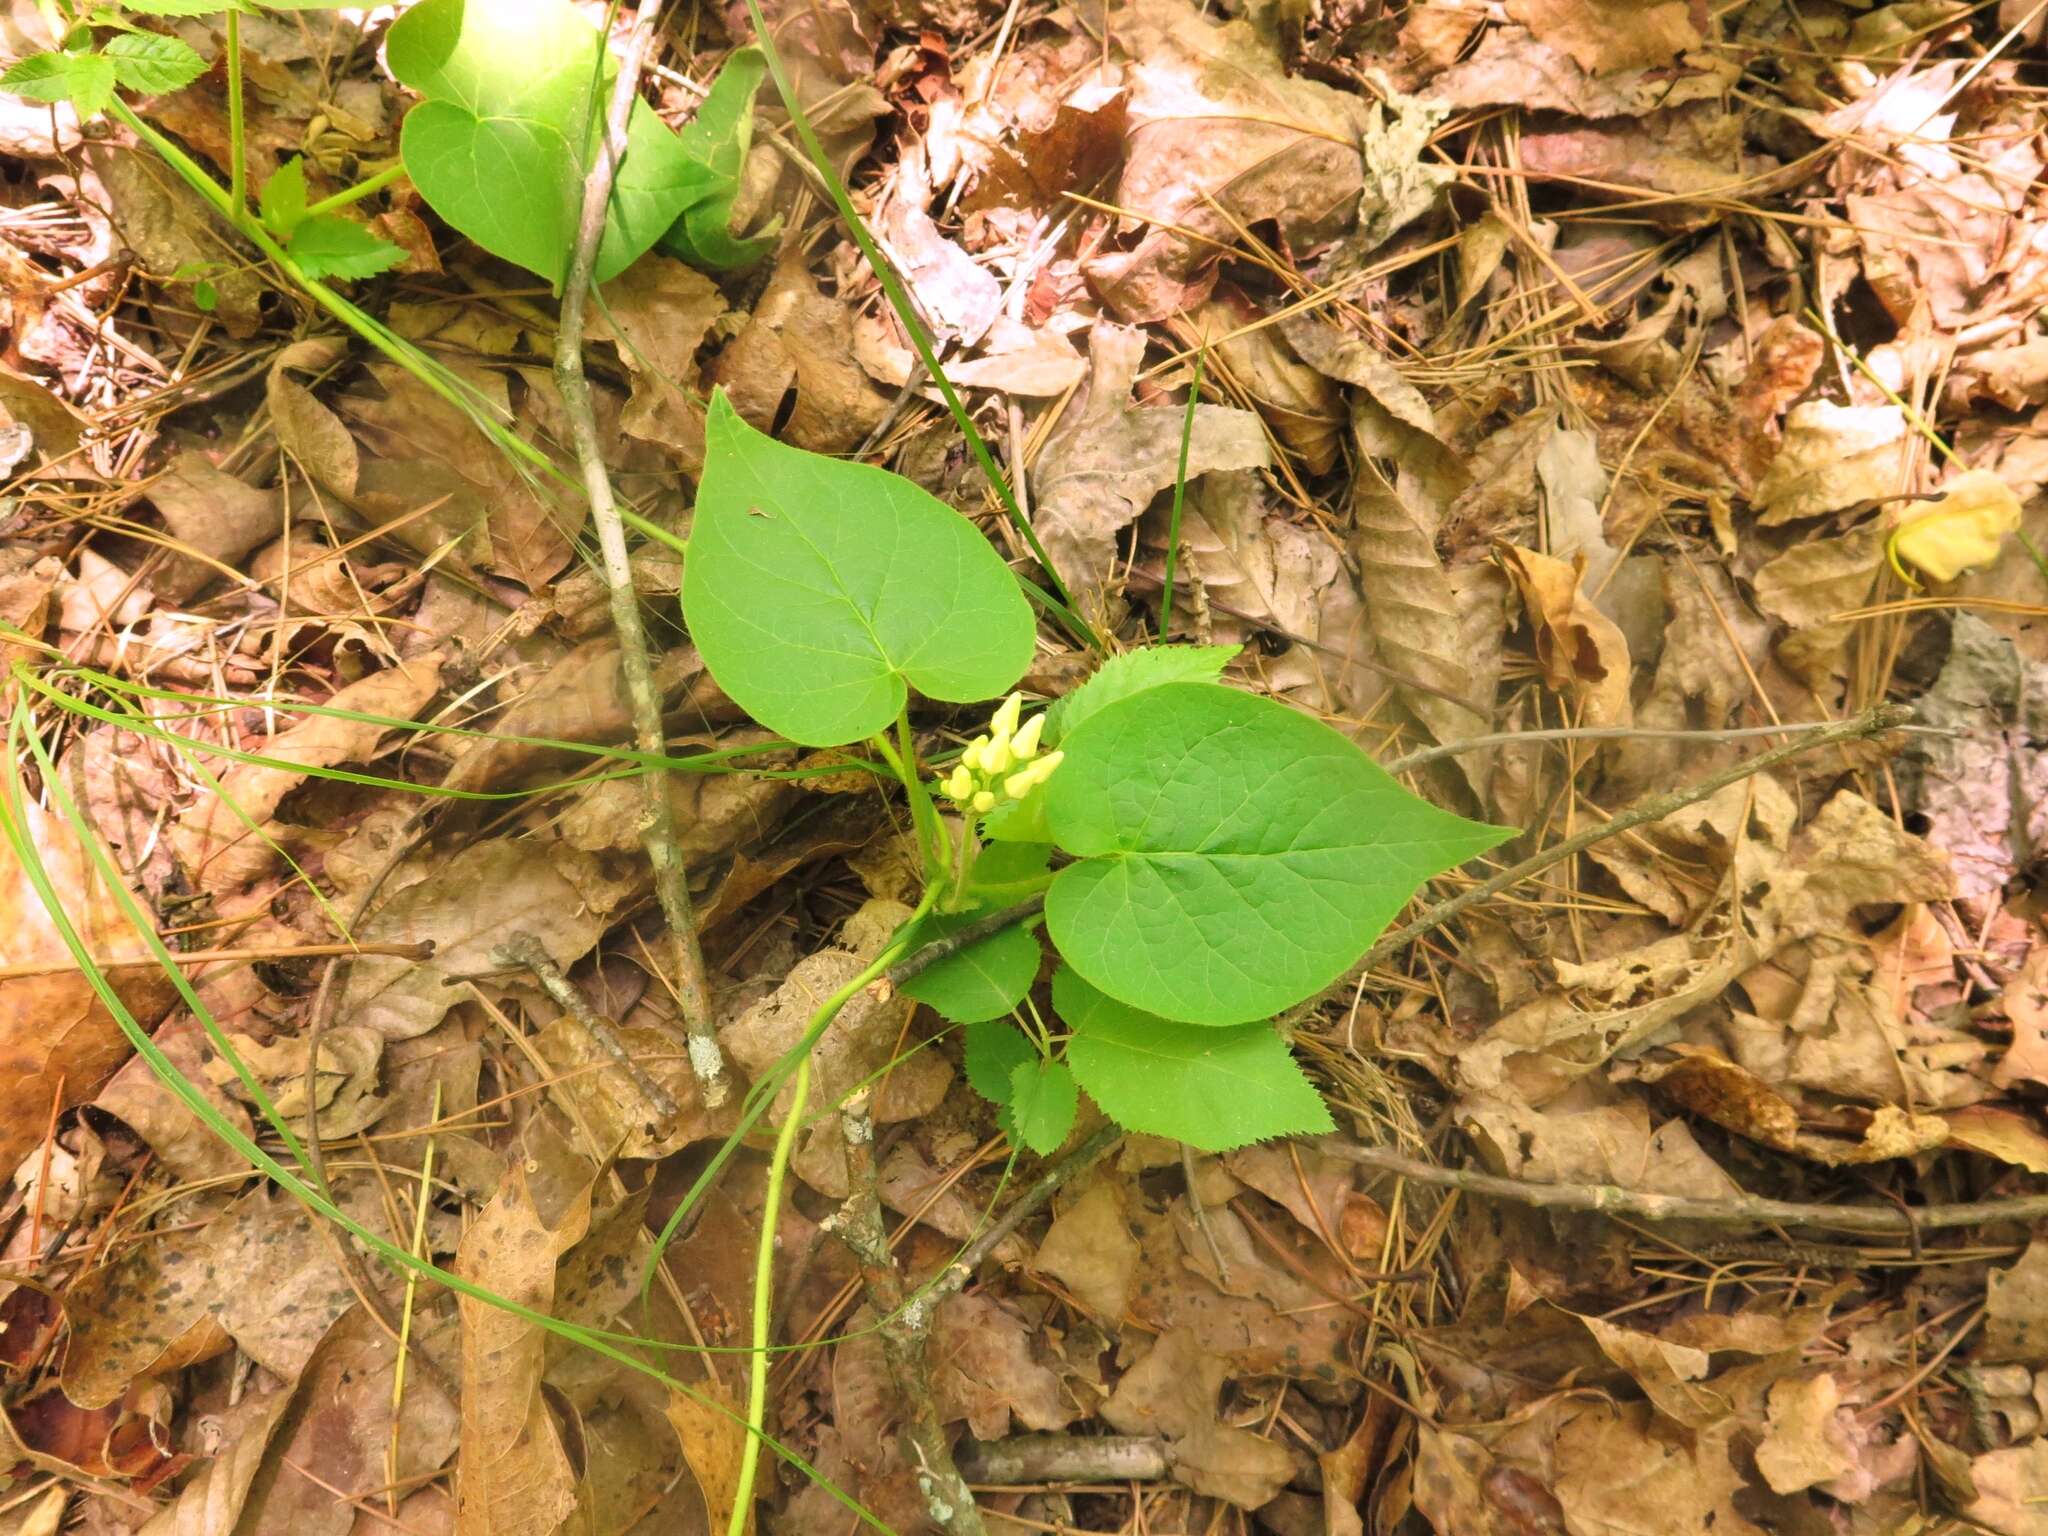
[
  {"x": 1875, "y": 722},
  {"x": 524, "y": 949},
  {"x": 905, "y": 1329},
  {"x": 1028, "y": 1459},
  {"x": 1617, "y": 733},
  {"x": 1878, "y": 1220},
  {"x": 658, "y": 831}
]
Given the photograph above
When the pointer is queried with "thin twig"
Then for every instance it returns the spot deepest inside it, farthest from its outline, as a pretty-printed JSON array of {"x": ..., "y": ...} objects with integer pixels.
[
  {"x": 525, "y": 950},
  {"x": 1022, "y": 1209},
  {"x": 671, "y": 876},
  {"x": 1201, "y": 1214},
  {"x": 1874, "y": 722},
  {"x": 905, "y": 1329},
  {"x": 1617, "y": 733},
  {"x": 960, "y": 938},
  {"x": 1878, "y": 1220}
]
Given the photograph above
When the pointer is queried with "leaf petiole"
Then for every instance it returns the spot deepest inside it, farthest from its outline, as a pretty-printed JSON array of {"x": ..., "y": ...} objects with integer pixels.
[{"x": 368, "y": 187}]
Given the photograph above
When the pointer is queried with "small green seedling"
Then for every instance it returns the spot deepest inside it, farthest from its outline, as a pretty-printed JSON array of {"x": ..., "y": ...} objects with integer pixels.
[
  {"x": 499, "y": 147},
  {"x": 1207, "y": 859}
]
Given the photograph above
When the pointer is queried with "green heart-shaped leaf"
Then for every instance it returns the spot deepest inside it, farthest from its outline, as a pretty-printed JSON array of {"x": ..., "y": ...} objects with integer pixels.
[
  {"x": 1212, "y": 1088},
  {"x": 500, "y": 145},
  {"x": 819, "y": 591},
  {"x": 716, "y": 140},
  {"x": 1234, "y": 856}
]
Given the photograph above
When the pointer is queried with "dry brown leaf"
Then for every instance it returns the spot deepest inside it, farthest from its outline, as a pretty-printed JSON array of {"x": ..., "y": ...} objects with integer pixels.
[
  {"x": 218, "y": 837},
  {"x": 466, "y": 907},
  {"x": 797, "y": 339},
  {"x": 1108, "y": 458},
  {"x": 213, "y": 515},
  {"x": 1090, "y": 1251},
  {"x": 58, "y": 1042},
  {"x": 1804, "y": 1443},
  {"x": 1670, "y": 1374},
  {"x": 713, "y": 1435},
  {"x": 212, "y": 1503},
  {"x": 1618, "y": 1471},
  {"x": 1708, "y": 1084},
  {"x": 1604, "y": 36},
  {"x": 1081, "y": 143},
  {"x": 1301, "y": 405},
  {"x": 1833, "y": 456},
  {"x": 1220, "y": 138},
  {"x": 2005, "y": 1134},
  {"x": 658, "y": 312},
  {"x": 1591, "y": 1136},
  {"x": 308, "y": 432},
  {"x": 1582, "y": 651},
  {"x": 984, "y": 1369},
  {"x": 515, "y": 1476},
  {"x": 169, "y": 226}
]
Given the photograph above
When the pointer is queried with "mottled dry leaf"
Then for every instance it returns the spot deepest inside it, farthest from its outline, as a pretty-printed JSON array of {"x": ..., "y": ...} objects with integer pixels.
[
  {"x": 516, "y": 1478},
  {"x": 307, "y": 430},
  {"x": 1573, "y": 1141},
  {"x": 58, "y": 1042},
  {"x": 2012, "y": 1490},
  {"x": 216, "y": 836},
  {"x": 1220, "y": 138},
  {"x": 2005, "y": 1134},
  {"x": 1708, "y": 1084},
  {"x": 1108, "y": 458},
  {"x": 1618, "y": 1472},
  {"x": 1803, "y": 1444},
  {"x": 797, "y": 339},
  {"x": 466, "y": 906},
  {"x": 169, "y": 226},
  {"x": 1089, "y": 1250},
  {"x": 659, "y": 311},
  {"x": 1604, "y": 36},
  {"x": 1833, "y": 456},
  {"x": 713, "y": 1436},
  {"x": 215, "y": 517},
  {"x": 1583, "y": 652},
  {"x": 985, "y": 1370},
  {"x": 2016, "y": 1309}
]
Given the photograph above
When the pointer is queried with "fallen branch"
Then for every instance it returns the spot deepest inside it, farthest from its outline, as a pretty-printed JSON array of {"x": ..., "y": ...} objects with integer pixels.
[
  {"x": 671, "y": 877},
  {"x": 971, "y": 933},
  {"x": 1874, "y": 722},
  {"x": 1878, "y": 1220},
  {"x": 525, "y": 950},
  {"x": 1032, "y": 1459},
  {"x": 905, "y": 1328}
]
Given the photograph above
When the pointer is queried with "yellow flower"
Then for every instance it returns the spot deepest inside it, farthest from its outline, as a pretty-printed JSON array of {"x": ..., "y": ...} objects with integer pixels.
[{"x": 1963, "y": 528}]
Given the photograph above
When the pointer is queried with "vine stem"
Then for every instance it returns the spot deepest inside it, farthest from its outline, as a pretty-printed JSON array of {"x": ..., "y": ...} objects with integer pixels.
[
  {"x": 658, "y": 829},
  {"x": 875, "y": 970},
  {"x": 238, "y": 169}
]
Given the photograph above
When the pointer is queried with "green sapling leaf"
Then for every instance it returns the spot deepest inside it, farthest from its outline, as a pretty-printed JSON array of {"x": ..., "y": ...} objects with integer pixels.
[
  {"x": 717, "y": 139},
  {"x": 986, "y": 979},
  {"x": 1232, "y": 855},
  {"x": 282, "y": 202},
  {"x": 86, "y": 80},
  {"x": 327, "y": 245},
  {"x": 819, "y": 592},
  {"x": 500, "y": 145},
  {"x": 1212, "y": 1088},
  {"x": 1042, "y": 1104},
  {"x": 153, "y": 64}
]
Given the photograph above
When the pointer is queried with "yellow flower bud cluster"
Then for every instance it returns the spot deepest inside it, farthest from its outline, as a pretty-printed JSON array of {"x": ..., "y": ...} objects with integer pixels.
[{"x": 1003, "y": 765}]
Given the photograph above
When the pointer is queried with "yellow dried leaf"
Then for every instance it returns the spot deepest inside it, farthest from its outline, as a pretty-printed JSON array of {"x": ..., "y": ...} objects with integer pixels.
[{"x": 1964, "y": 528}]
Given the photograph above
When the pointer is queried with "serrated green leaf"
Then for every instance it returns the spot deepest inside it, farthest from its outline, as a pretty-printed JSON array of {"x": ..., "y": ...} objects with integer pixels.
[
  {"x": 499, "y": 146},
  {"x": 153, "y": 64},
  {"x": 716, "y": 140},
  {"x": 86, "y": 80},
  {"x": 1043, "y": 1100},
  {"x": 1212, "y": 1088},
  {"x": 328, "y": 246},
  {"x": 1233, "y": 856},
  {"x": 819, "y": 591},
  {"x": 993, "y": 1050},
  {"x": 282, "y": 202},
  {"x": 1134, "y": 672},
  {"x": 986, "y": 979}
]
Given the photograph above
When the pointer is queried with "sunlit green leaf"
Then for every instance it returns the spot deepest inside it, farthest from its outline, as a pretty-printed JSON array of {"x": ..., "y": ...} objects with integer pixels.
[
  {"x": 326, "y": 245},
  {"x": 152, "y": 63},
  {"x": 500, "y": 146},
  {"x": 1042, "y": 1104},
  {"x": 716, "y": 140},
  {"x": 86, "y": 80},
  {"x": 1233, "y": 856},
  {"x": 820, "y": 591},
  {"x": 1212, "y": 1088}
]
